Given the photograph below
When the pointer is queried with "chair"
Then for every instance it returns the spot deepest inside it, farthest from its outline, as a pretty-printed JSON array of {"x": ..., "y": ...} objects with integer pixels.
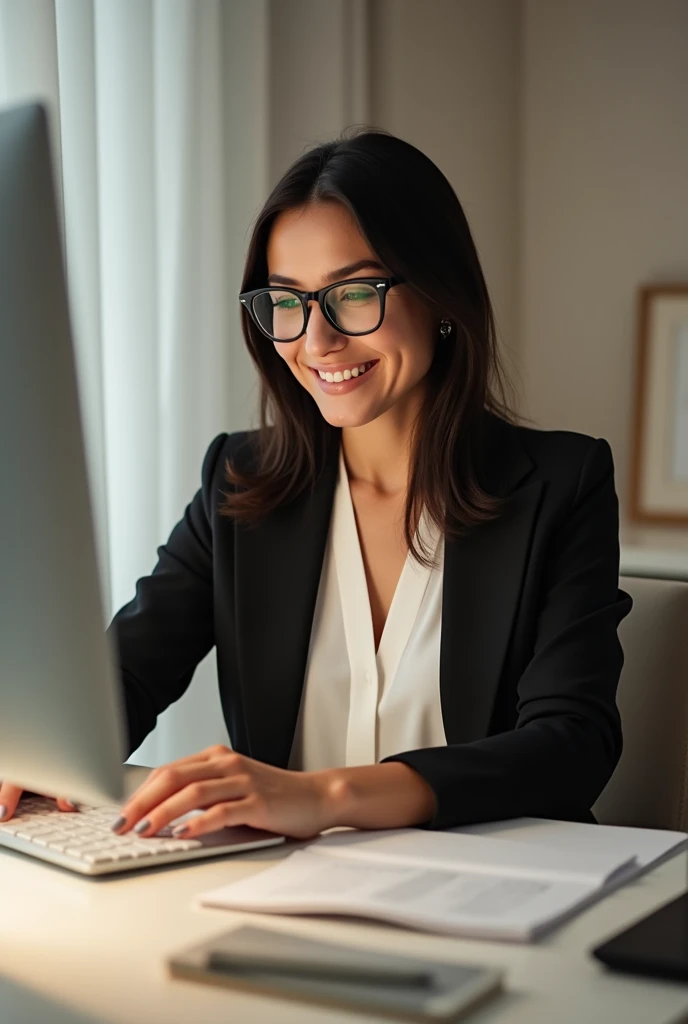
[{"x": 649, "y": 788}]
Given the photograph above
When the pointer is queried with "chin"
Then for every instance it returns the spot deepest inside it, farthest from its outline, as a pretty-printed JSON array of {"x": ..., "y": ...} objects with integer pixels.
[{"x": 346, "y": 418}]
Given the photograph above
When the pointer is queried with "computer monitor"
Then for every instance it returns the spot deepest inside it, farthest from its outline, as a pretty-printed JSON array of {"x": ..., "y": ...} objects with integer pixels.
[{"x": 62, "y": 725}]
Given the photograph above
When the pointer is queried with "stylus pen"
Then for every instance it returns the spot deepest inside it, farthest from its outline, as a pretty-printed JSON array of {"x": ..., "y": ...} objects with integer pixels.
[{"x": 363, "y": 973}]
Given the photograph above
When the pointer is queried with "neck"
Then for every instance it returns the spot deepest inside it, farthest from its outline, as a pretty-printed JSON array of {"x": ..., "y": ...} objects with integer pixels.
[{"x": 377, "y": 455}]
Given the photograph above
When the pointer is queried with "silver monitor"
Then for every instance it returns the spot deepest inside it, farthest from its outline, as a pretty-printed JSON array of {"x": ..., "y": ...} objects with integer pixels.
[{"x": 62, "y": 726}]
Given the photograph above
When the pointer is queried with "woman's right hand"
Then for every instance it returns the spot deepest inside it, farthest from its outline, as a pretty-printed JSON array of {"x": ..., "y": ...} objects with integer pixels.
[{"x": 9, "y": 798}]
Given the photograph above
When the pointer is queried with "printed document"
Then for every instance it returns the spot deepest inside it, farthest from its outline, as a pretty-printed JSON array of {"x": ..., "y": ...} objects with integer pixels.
[{"x": 506, "y": 880}]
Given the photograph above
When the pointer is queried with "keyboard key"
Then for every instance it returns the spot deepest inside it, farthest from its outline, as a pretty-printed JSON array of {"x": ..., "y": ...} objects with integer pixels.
[
  {"x": 124, "y": 853},
  {"x": 98, "y": 858},
  {"x": 182, "y": 844},
  {"x": 11, "y": 828}
]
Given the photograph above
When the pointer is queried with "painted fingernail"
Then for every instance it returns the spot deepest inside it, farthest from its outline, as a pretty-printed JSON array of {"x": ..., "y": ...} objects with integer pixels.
[
  {"x": 3, "y": 811},
  {"x": 142, "y": 826},
  {"x": 180, "y": 830},
  {"x": 117, "y": 823}
]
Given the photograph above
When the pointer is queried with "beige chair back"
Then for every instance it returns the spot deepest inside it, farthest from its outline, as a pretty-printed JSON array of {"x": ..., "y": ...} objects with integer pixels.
[{"x": 649, "y": 788}]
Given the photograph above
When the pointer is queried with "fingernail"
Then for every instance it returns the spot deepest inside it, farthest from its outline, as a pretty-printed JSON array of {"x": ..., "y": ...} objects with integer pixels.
[
  {"x": 71, "y": 805},
  {"x": 142, "y": 826},
  {"x": 117, "y": 823},
  {"x": 180, "y": 830},
  {"x": 3, "y": 811}
]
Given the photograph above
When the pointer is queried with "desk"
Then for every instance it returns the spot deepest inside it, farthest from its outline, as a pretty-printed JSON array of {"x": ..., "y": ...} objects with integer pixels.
[{"x": 75, "y": 950}]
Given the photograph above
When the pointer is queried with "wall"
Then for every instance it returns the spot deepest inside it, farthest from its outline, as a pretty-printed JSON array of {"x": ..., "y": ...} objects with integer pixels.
[
  {"x": 319, "y": 73},
  {"x": 603, "y": 201}
]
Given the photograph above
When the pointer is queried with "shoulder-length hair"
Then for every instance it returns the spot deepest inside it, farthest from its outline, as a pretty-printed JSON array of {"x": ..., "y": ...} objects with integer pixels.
[{"x": 413, "y": 221}]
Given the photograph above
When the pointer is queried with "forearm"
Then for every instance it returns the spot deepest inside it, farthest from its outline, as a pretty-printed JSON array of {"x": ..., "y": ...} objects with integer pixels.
[
  {"x": 551, "y": 768},
  {"x": 376, "y": 796}
]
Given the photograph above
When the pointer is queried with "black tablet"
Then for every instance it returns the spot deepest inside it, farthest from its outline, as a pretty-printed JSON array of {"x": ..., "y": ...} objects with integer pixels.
[{"x": 656, "y": 945}]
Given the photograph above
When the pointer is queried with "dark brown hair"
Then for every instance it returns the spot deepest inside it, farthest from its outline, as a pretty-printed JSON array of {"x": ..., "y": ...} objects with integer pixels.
[{"x": 412, "y": 219}]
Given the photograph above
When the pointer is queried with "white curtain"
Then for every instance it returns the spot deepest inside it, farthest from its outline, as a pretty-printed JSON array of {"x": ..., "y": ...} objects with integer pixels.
[{"x": 158, "y": 116}]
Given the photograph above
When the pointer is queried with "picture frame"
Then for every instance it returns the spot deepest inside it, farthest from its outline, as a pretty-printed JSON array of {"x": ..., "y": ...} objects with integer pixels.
[{"x": 659, "y": 469}]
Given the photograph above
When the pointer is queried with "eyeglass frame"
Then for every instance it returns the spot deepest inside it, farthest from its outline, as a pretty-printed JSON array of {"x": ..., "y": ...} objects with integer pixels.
[{"x": 383, "y": 283}]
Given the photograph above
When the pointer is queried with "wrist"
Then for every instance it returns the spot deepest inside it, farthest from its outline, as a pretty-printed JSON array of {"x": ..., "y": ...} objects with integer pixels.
[
  {"x": 337, "y": 796},
  {"x": 390, "y": 795}
]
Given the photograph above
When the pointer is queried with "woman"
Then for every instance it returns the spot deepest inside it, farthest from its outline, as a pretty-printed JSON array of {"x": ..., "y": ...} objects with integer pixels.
[{"x": 414, "y": 598}]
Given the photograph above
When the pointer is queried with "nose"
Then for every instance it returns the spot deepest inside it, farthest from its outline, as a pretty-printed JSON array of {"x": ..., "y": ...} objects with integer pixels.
[{"x": 320, "y": 334}]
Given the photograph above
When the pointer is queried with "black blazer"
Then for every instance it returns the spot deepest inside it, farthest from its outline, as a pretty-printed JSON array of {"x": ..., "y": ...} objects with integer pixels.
[{"x": 529, "y": 659}]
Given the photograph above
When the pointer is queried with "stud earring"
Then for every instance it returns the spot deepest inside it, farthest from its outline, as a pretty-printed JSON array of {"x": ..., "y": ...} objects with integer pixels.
[{"x": 445, "y": 328}]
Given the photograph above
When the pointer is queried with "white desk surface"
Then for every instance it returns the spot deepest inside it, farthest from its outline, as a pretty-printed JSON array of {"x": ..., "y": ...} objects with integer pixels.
[{"x": 75, "y": 950}]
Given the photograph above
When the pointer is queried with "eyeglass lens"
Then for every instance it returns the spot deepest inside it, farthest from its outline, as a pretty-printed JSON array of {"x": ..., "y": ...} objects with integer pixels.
[{"x": 353, "y": 307}]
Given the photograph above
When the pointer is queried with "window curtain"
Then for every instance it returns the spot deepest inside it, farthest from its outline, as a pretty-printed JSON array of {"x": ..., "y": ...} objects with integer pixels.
[{"x": 158, "y": 111}]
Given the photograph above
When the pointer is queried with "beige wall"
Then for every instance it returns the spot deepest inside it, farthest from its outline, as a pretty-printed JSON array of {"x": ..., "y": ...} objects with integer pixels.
[{"x": 603, "y": 200}]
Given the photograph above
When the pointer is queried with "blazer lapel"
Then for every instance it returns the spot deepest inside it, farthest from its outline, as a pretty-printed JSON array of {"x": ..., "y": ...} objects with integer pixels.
[
  {"x": 483, "y": 575},
  {"x": 277, "y": 574}
]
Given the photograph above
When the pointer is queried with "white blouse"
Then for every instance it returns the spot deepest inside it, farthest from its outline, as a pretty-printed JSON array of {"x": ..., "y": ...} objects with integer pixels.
[{"x": 359, "y": 706}]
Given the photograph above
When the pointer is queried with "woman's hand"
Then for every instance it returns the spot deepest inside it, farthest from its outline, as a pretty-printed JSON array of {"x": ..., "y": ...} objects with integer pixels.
[
  {"x": 233, "y": 790},
  {"x": 11, "y": 794}
]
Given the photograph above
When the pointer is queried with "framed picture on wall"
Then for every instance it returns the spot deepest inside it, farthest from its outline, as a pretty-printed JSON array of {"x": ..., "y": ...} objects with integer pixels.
[{"x": 659, "y": 477}]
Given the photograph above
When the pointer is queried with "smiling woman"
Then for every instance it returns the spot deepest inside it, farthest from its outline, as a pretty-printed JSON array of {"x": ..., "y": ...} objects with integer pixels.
[
  {"x": 413, "y": 595},
  {"x": 376, "y": 264}
]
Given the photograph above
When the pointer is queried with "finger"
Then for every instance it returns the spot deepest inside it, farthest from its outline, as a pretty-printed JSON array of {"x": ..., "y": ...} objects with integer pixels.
[
  {"x": 9, "y": 798},
  {"x": 201, "y": 757},
  {"x": 197, "y": 795},
  {"x": 221, "y": 815},
  {"x": 171, "y": 781},
  {"x": 66, "y": 805},
  {"x": 168, "y": 779}
]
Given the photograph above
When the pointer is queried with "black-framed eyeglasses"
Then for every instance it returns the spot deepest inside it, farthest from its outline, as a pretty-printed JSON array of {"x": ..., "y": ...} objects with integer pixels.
[{"x": 354, "y": 306}]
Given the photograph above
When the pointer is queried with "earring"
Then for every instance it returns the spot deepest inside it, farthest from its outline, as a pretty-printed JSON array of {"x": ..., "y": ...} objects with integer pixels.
[{"x": 445, "y": 328}]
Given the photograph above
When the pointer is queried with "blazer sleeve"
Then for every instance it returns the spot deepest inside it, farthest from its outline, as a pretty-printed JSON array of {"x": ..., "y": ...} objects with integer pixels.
[
  {"x": 162, "y": 634},
  {"x": 567, "y": 740}
]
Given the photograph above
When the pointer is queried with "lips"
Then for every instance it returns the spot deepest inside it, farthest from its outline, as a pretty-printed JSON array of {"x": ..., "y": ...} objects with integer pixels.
[{"x": 344, "y": 386}]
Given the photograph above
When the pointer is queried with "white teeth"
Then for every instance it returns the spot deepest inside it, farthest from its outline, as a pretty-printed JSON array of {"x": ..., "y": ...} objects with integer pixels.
[{"x": 340, "y": 375}]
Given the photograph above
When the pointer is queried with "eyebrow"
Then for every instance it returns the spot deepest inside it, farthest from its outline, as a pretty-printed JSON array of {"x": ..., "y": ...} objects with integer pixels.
[{"x": 336, "y": 275}]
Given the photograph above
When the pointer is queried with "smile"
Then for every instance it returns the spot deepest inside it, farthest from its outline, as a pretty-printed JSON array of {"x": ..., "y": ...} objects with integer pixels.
[{"x": 344, "y": 386}]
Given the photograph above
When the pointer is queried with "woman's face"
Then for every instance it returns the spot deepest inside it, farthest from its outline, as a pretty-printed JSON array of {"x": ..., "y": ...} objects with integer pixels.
[{"x": 313, "y": 246}]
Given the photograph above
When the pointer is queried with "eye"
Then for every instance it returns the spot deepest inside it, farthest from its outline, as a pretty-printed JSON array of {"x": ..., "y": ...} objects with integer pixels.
[{"x": 353, "y": 295}]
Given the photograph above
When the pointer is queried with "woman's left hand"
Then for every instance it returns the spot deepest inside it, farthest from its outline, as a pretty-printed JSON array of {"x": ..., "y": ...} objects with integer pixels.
[{"x": 233, "y": 790}]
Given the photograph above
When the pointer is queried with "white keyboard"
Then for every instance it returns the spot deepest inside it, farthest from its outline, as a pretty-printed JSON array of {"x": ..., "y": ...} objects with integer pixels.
[{"x": 83, "y": 840}]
